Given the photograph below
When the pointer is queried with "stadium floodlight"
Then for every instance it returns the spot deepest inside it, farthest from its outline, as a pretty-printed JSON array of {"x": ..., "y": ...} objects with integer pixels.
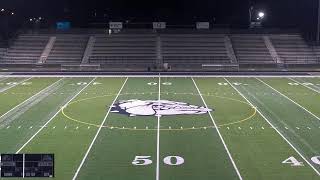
[{"x": 261, "y": 15}]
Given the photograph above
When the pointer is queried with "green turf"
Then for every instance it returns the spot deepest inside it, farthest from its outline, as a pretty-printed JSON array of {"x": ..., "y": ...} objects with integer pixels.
[{"x": 256, "y": 148}]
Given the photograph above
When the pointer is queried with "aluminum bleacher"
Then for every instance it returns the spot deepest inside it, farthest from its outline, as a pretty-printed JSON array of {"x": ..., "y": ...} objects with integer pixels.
[
  {"x": 194, "y": 49},
  {"x": 68, "y": 49},
  {"x": 293, "y": 49},
  {"x": 26, "y": 49},
  {"x": 151, "y": 49},
  {"x": 2, "y": 52},
  {"x": 251, "y": 49},
  {"x": 124, "y": 50}
]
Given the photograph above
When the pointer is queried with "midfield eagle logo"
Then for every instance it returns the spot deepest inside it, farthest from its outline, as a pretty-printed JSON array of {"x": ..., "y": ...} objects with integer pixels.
[{"x": 157, "y": 108}]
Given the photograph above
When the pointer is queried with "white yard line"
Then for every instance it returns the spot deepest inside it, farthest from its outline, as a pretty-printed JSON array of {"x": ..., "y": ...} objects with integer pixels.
[
  {"x": 43, "y": 90},
  {"x": 289, "y": 99},
  {"x": 95, "y": 137},
  {"x": 5, "y": 89},
  {"x": 216, "y": 127},
  {"x": 45, "y": 125},
  {"x": 304, "y": 85},
  {"x": 269, "y": 122},
  {"x": 158, "y": 132}
]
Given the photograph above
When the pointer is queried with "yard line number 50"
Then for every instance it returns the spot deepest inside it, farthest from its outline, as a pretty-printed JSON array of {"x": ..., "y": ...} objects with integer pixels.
[{"x": 169, "y": 160}]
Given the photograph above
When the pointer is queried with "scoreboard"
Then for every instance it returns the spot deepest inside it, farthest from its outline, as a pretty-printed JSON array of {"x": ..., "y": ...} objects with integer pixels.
[{"x": 27, "y": 165}]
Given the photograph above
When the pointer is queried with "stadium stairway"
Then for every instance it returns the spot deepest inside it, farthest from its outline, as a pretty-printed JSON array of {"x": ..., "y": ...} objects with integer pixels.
[{"x": 47, "y": 50}]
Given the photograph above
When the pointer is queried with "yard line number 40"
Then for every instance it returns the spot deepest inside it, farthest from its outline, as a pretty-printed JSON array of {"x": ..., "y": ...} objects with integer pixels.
[
  {"x": 294, "y": 162},
  {"x": 169, "y": 160}
]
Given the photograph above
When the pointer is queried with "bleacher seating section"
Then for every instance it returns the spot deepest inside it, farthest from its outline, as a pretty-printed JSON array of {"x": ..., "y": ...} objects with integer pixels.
[
  {"x": 124, "y": 49},
  {"x": 2, "y": 52},
  {"x": 149, "y": 49},
  {"x": 293, "y": 49},
  {"x": 251, "y": 49},
  {"x": 26, "y": 49},
  {"x": 68, "y": 49},
  {"x": 194, "y": 49}
]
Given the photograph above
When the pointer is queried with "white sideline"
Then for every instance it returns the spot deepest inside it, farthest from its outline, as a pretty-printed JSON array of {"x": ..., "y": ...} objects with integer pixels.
[
  {"x": 294, "y": 148},
  {"x": 304, "y": 85},
  {"x": 31, "y": 98},
  {"x": 53, "y": 117},
  {"x": 95, "y": 137},
  {"x": 215, "y": 125},
  {"x": 10, "y": 87},
  {"x": 289, "y": 99},
  {"x": 158, "y": 132}
]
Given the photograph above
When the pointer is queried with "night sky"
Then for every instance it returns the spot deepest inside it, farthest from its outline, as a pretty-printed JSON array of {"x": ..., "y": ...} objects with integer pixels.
[{"x": 280, "y": 13}]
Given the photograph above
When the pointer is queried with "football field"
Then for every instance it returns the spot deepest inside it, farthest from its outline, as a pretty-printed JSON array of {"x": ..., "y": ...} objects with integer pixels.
[{"x": 165, "y": 127}]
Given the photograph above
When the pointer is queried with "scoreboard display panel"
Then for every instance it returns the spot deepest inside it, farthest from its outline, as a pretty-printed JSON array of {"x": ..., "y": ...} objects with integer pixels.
[
  {"x": 11, "y": 165},
  {"x": 27, "y": 165}
]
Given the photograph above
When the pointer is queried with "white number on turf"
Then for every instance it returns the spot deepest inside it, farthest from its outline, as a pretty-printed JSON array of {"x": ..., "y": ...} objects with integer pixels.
[
  {"x": 169, "y": 160},
  {"x": 82, "y": 83},
  {"x": 26, "y": 83},
  {"x": 16, "y": 83},
  {"x": 152, "y": 83},
  {"x": 173, "y": 160},
  {"x": 316, "y": 160},
  {"x": 167, "y": 83},
  {"x": 293, "y": 84},
  {"x": 293, "y": 161},
  {"x": 164, "y": 83},
  {"x": 11, "y": 83},
  {"x": 223, "y": 84},
  {"x": 234, "y": 83},
  {"x": 305, "y": 84},
  {"x": 96, "y": 83},
  {"x": 142, "y": 160}
]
